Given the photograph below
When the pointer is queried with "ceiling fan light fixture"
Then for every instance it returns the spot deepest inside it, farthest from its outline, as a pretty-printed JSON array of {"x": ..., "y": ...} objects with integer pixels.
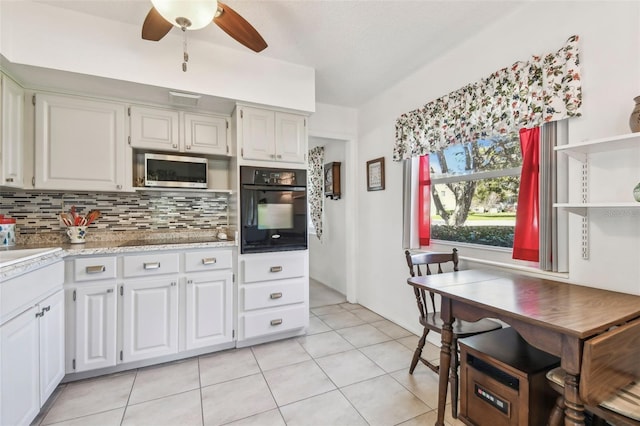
[{"x": 199, "y": 13}]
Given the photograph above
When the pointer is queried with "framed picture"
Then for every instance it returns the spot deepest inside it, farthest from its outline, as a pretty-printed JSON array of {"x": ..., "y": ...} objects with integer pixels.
[
  {"x": 332, "y": 180},
  {"x": 375, "y": 174}
]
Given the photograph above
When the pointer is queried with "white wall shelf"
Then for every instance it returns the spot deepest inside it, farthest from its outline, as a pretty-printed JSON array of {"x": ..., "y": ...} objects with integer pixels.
[{"x": 581, "y": 152}]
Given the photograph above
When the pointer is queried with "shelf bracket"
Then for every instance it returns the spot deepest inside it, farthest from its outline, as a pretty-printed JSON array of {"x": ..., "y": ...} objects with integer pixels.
[
  {"x": 580, "y": 156},
  {"x": 584, "y": 227}
]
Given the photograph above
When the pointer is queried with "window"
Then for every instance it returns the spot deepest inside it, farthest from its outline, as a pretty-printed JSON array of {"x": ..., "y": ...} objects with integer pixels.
[
  {"x": 474, "y": 191},
  {"x": 474, "y": 199}
]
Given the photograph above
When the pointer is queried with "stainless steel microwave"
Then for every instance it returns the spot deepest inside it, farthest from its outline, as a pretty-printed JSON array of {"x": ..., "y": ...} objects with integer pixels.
[{"x": 175, "y": 171}]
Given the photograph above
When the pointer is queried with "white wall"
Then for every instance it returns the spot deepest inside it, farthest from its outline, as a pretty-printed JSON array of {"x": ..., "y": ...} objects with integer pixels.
[
  {"x": 327, "y": 257},
  {"x": 332, "y": 124},
  {"x": 610, "y": 62},
  {"x": 50, "y": 37}
]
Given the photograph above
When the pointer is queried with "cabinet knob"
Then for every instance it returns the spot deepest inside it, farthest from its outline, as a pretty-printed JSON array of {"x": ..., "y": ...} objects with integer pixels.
[
  {"x": 175, "y": 146},
  {"x": 276, "y": 321},
  {"x": 188, "y": 146},
  {"x": 276, "y": 269},
  {"x": 275, "y": 295},
  {"x": 118, "y": 186},
  {"x": 279, "y": 156},
  {"x": 9, "y": 179}
]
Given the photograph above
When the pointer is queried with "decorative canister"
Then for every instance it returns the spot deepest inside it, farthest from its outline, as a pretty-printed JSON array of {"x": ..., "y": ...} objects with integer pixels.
[
  {"x": 634, "y": 119},
  {"x": 636, "y": 192},
  {"x": 7, "y": 231}
]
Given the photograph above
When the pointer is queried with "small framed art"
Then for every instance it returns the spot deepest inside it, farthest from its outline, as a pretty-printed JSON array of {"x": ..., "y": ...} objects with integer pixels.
[
  {"x": 375, "y": 174},
  {"x": 332, "y": 180}
]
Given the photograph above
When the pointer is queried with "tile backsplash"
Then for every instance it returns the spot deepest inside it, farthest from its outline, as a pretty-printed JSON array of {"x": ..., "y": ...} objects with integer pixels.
[{"x": 38, "y": 212}]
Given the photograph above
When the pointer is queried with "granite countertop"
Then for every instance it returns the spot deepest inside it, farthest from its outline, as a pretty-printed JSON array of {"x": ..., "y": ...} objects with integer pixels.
[{"x": 39, "y": 252}]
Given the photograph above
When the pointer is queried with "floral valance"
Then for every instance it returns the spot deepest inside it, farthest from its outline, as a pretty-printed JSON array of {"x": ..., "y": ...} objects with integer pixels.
[{"x": 527, "y": 94}]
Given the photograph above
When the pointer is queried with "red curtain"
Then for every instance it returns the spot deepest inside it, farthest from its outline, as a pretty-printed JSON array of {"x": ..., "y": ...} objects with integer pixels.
[
  {"x": 526, "y": 242},
  {"x": 424, "y": 201}
]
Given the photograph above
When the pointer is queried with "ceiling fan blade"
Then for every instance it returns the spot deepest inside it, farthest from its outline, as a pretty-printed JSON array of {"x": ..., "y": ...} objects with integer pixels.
[
  {"x": 238, "y": 28},
  {"x": 155, "y": 26}
]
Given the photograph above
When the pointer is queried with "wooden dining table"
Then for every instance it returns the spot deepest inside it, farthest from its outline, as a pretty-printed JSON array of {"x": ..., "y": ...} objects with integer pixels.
[{"x": 554, "y": 316}]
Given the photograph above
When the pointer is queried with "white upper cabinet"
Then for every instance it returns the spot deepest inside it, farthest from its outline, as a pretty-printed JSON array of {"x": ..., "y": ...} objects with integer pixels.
[
  {"x": 80, "y": 144},
  {"x": 155, "y": 128},
  {"x": 12, "y": 138},
  {"x": 291, "y": 137},
  {"x": 272, "y": 135},
  {"x": 205, "y": 134},
  {"x": 169, "y": 130}
]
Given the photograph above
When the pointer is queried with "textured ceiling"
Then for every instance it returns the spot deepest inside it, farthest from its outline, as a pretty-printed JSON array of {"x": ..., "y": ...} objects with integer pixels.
[{"x": 356, "y": 47}]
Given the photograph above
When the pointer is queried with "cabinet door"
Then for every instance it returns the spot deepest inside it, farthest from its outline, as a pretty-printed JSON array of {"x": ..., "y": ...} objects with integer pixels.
[
  {"x": 12, "y": 138},
  {"x": 258, "y": 134},
  {"x": 51, "y": 344},
  {"x": 19, "y": 365},
  {"x": 209, "y": 309},
  {"x": 155, "y": 128},
  {"x": 291, "y": 137},
  {"x": 95, "y": 326},
  {"x": 205, "y": 134},
  {"x": 80, "y": 144},
  {"x": 150, "y": 318}
]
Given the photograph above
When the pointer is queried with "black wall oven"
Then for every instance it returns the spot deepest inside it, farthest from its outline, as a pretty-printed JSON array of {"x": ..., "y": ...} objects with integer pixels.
[{"x": 273, "y": 209}]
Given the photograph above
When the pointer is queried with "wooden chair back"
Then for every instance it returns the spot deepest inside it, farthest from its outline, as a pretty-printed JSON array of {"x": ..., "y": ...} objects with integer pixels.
[
  {"x": 423, "y": 262},
  {"x": 610, "y": 362}
]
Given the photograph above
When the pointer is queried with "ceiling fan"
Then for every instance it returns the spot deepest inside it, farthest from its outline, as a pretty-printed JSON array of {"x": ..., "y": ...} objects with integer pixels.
[{"x": 197, "y": 14}]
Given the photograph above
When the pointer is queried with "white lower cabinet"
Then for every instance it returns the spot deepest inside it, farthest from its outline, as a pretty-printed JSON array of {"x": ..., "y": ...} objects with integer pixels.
[
  {"x": 20, "y": 369},
  {"x": 31, "y": 359},
  {"x": 150, "y": 318},
  {"x": 95, "y": 326},
  {"x": 209, "y": 313},
  {"x": 137, "y": 307},
  {"x": 273, "y": 296}
]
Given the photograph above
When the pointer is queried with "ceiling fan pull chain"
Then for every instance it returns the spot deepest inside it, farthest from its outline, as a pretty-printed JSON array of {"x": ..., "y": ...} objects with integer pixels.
[{"x": 185, "y": 55}]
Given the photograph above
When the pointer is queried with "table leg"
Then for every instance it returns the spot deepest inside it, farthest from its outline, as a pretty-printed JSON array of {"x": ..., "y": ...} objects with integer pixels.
[
  {"x": 445, "y": 359},
  {"x": 574, "y": 410}
]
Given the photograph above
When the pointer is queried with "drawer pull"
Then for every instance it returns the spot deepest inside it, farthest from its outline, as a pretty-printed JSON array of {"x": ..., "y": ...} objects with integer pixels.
[
  {"x": 96, "y": 269},
  {"x": 209, "y": 261},
  {"x": 276, "y": 321},
  {"x": 276, "y": 269},
  {"x": 109, "y": 290},
  {"x": 275, "y": 295},
  {"x": 152, "y": 265}
]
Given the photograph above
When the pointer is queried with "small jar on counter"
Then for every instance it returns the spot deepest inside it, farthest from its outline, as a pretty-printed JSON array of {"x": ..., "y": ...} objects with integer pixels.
[{"x": 7, "y": 231}]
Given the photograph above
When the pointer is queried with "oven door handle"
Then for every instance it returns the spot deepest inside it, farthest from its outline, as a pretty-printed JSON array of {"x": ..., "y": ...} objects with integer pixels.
[{"x": 274, "y": 187}]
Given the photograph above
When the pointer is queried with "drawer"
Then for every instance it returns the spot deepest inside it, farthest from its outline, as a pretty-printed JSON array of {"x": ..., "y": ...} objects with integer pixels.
[
  {"x": 269, "y": 295},
  {"x": 207, "y": 260},
  {"x": 151, "y": 264},
  {"x": 94, "y": 268},
  {"x": 275, "y": 321},
  {"x": 273, "y": 267}
]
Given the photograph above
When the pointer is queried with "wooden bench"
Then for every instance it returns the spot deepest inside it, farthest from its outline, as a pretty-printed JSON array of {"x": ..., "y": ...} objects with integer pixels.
[{"x": 609, "y": 378}]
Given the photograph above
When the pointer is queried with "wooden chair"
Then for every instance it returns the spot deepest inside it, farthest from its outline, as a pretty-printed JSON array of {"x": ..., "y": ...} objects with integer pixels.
[
  {"x": 609, "y": 378},
  {"x": 431, "y": 320}
]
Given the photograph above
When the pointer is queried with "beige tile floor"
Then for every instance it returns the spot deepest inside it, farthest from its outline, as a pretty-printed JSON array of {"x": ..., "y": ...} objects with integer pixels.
[{"x": 350, "y": 369}]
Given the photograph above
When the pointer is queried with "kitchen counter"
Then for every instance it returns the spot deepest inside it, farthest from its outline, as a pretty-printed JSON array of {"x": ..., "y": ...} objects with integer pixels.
[
  {"x": 20, "y": 259},
  {"x": 16, "y": 261}
]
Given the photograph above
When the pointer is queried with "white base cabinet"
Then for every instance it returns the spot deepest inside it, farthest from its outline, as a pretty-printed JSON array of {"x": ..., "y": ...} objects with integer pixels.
[
  {"x": 95, "y": 326},
  {"x": 32, "y": 348},
  {"x": 150, "y": 318},
  {"x": 273, "y": 297},
  {"x": 140, "y": 306},
  {"x": 206, "y": 323}
]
